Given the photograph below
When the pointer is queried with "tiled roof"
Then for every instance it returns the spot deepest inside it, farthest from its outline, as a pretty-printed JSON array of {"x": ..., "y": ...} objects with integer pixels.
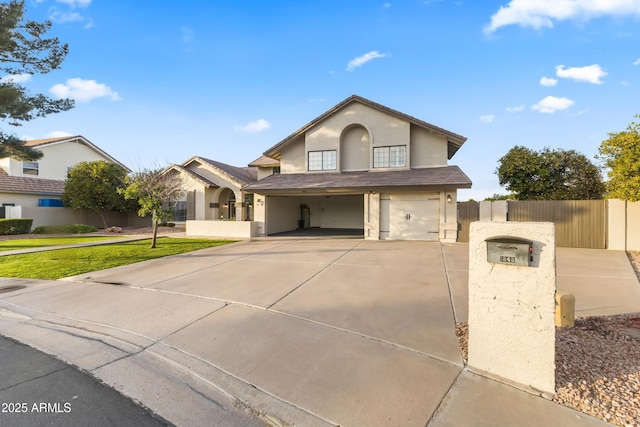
[
  {"x": 244, "y": 175},
  {"x": 18, "y": 184},
  {"x": 455, "y": 141},
  {"x": 438, "y": 177}
]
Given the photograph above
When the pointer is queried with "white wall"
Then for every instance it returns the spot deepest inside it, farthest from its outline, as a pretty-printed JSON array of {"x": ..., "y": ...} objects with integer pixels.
[
  {"x": 512, "y": 307},
  {"x": 23, "y": 199},
  {"x": 58, "y": 157},
  {"x": 235, "y": 229}
]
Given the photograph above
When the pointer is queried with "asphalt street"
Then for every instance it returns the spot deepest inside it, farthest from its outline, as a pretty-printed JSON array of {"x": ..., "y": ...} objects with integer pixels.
[{"x": 39, "y": 390}]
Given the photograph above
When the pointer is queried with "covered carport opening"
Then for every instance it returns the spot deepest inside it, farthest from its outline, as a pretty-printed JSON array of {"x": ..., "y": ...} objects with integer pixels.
[{"x": 315, "y": 214}]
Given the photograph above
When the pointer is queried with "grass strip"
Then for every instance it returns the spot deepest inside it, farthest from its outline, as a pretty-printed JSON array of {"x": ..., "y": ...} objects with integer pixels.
[
  {"x": 41, "y": 242},
  {"x": 59, "y": 263}
]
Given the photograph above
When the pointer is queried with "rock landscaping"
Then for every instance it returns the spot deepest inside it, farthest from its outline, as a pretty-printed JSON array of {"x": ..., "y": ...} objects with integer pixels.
[{"x": 597, "y": 364}]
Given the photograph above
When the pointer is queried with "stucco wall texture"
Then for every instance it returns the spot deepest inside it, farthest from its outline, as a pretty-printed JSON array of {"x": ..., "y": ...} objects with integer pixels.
[{"x": 512, "y": 308}]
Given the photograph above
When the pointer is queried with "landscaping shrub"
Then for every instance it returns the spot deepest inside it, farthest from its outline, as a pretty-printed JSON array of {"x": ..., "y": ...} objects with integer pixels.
[
  {"x": 15, "y": 226},
  {"x": 64, "y": 229}
]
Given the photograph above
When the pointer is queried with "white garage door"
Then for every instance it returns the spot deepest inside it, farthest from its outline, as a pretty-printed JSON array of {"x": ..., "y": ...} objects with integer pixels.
[{"x": 412, "y": 216}]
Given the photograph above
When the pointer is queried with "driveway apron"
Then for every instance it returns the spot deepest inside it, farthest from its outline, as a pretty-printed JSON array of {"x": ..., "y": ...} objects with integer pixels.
[{"x": 300, "y": 331}]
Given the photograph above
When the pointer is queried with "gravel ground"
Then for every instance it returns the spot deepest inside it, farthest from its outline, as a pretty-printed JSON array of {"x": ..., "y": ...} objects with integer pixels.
[{"x": 597, "y": 364}]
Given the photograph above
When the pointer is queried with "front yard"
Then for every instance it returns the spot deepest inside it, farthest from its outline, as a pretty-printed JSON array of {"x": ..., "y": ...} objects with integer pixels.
[{"x": 59, "y": 263}]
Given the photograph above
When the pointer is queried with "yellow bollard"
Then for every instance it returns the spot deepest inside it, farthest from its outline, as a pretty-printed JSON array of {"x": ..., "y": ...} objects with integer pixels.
[{"x": 565, "y": 309}]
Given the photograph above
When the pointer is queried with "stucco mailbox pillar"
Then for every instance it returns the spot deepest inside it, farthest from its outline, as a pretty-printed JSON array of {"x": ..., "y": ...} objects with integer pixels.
[{"x": 512, "y": 285}]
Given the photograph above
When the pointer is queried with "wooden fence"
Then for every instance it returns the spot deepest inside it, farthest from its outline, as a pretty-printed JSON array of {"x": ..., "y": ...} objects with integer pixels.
[
  {"x": 579, "y": 223},
  {"x": 468, "y": 212}
]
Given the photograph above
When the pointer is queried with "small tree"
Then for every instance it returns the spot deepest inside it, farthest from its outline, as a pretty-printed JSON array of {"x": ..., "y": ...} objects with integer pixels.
[
  {"x": 94, "y": 185},
  {"x": 549, "y": 175},
  {"x": 621, "y": 155},
  {"x": 24, "y": 51},
  {"x": 154, "y": 190}
]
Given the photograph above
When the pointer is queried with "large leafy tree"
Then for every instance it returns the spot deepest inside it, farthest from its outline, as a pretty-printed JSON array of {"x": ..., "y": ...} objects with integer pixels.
[
  {"x": 549, "y": 175},
  {"x": 24, "y": 49},
  {"x": 94, "y": 186},
  {"x": 621, "y": 155},
  {"x": 155, "y": 190}
]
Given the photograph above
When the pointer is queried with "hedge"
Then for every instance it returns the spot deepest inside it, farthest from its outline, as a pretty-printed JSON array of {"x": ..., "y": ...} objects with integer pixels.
[
  {"x": 15, "y": 226},
  {"x": 64, "y": 229}
]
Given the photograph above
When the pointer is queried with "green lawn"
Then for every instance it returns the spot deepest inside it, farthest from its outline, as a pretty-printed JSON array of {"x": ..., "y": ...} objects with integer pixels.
[
  {"x": 61, "y": 263},
  {"x": 40, "y": 242}
]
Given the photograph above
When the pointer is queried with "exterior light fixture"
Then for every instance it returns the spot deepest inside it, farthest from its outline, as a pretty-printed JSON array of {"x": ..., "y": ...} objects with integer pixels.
[{"x": 448, "y": 198}]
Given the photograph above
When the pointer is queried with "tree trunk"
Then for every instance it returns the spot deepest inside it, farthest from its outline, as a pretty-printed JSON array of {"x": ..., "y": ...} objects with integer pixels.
[
  {"x": 155, "y": 233},
  {"x": 103, "y": 217}
]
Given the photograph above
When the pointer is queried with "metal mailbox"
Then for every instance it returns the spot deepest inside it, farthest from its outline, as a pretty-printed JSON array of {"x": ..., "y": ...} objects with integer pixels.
[{"x": 509, "y": 250}]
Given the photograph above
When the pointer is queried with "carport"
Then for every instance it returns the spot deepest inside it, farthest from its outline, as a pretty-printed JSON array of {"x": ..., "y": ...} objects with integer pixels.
[
  {"x": 302, "y": 211},
  {"x": 395, "y": 205}
]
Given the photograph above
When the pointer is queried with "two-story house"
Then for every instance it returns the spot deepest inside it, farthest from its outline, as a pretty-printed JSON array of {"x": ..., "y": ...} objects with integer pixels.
[
  {"x": 363, "y": 166},
  {"x": 41, "y": 182},
  {"x": 360, "y": 167}
]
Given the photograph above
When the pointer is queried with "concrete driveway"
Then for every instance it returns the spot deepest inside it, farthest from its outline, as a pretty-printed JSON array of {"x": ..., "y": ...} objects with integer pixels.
[{"x": 300, "y": 331}]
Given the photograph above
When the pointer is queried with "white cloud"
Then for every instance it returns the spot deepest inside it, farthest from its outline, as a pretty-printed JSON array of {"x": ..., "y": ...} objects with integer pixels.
[
  {"x": 589, "y": 74},
  {"x": 253, "y": 127},
  {"x": 16, "y": 78},
  {"x": 637, "y": 62},
  {"x": 543, "y": 13},
  {"x": 487, "y": 119},
  {"x": 64, "y": 17},
  {"x": 551, "y": 104},
  {"x": 84, "y": 90},
  {"x": 57, "y": 134},
  {"x": 361, "y": 60},
  {"x": 547, "y": 81},
  {"x": 75, "y": 3},
  {"x": 187, "y": 34},
  {"x": 516, "y": 109}
]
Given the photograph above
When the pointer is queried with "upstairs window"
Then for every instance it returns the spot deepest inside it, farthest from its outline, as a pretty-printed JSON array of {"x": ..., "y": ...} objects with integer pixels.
[
  {"x": 394, "y": 156},
  {"x": 30, "y": 168},
  {"x": 322, "y": 160}
]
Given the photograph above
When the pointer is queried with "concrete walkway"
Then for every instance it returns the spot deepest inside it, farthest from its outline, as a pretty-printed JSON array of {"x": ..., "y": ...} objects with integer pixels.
[{"x": 312, "y": 332}]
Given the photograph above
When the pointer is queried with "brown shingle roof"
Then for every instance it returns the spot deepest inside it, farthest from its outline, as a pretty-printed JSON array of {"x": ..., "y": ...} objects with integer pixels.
[
  {"x": 414, "y": 179},
  {"x": 264, "y": 161},
  {"x": 37, "y": 142},
  {"x": 244, "y": 175},
  {"x": 17, "y": 184}
]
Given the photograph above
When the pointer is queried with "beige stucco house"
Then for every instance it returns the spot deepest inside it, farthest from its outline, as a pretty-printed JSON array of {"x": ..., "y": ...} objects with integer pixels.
[
  {"x": 360, "y": 166},
  {"x": 41, "y": 183},
  {"x": 213, "y": 191}
]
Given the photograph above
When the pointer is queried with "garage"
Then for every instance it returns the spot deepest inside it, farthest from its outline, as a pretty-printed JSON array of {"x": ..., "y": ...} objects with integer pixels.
[
  {"x": 410, "y": 216},
  {"x": 334, "y": 211}
]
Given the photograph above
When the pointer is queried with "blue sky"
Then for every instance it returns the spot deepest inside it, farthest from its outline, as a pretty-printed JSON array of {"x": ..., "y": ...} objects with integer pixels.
[{"x": 157, "y": 82}]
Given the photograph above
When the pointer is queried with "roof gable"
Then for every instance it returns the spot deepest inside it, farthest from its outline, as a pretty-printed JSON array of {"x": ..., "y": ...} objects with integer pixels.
[
  {"x": 41, "y": 143},
  {"x": 454, "y": 141},
  {"x": 242, "y": 176}
]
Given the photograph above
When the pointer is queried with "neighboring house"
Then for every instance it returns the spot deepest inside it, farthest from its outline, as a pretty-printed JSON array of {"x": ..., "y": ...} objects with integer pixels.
[
  {"x": 41, "y": 183},
  {"x": 213, "y": 191},
  {"x": 360, "y": 166}
]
